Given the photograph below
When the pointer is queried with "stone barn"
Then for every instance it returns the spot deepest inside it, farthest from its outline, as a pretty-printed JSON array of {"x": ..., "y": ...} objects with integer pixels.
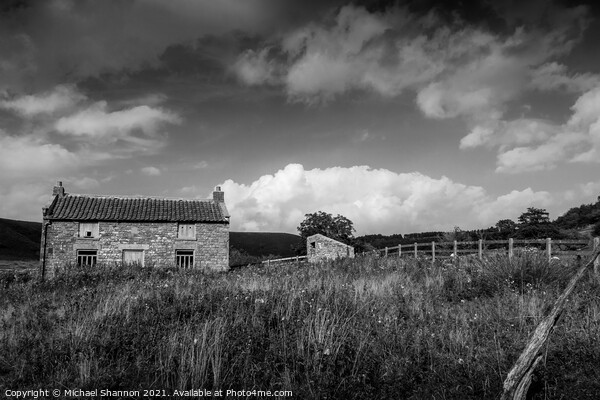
[
  {"x": 89, "y": 229},
  {"x": 320, "y": 247}
]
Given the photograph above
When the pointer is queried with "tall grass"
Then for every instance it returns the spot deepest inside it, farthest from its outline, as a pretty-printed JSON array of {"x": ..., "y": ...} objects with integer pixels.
[{"x": 385, "y": 328}]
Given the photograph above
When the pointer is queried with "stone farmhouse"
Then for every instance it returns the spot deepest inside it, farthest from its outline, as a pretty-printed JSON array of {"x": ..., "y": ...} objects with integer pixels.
[
  {"x": 320, "y": 247},
  {"x": 90, "y": 229}
]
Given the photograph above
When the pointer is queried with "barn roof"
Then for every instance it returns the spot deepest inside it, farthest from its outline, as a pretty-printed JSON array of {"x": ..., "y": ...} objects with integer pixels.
[{"x": 116, "y": 208}]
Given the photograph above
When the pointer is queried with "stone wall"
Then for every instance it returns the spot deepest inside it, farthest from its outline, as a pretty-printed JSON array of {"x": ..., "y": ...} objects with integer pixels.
[
  {"x": 320, "y": 248},
  {"x": 158, "y": 240}
]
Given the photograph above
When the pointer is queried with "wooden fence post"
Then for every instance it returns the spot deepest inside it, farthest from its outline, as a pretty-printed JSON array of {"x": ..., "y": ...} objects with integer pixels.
[
  {"x": 518, "y": 379},
  {"x": 549, "y": 249},
  {"x": 510, "y": 248},
  {"x": 480, "y": 249},
  {"x": 399, "y": 250},
  {"x": 455, "y": 250},
  {"x": 386, "y": 251},
  {"x": 432, "y": 252},
  {"x": 297, "y": 261},
  {"x": 268, "y": 263},
  {"x": 416, "y": 250},
  {"x": 597, "y": 262}
]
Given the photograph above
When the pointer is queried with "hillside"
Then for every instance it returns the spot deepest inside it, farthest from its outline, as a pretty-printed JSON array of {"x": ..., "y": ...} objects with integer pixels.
[
  {"x": 20, "y": 240},
  {"x": 263, "y": 244}
]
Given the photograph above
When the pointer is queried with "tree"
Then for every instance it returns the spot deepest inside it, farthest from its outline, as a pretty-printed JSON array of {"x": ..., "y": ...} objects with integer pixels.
[
  {"x": 535, "y": 224},
  {"x": 534, "y": 216},
  {"x": 506, "y": 225},
  {"x": 338, "y": 227}
]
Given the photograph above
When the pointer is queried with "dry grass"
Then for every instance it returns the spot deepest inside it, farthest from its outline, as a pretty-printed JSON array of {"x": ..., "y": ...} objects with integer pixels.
[{"x": 347, "y": 329}]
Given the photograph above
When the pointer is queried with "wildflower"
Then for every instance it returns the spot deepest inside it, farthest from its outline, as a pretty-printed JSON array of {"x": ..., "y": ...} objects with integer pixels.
[{"x": 461, "y": 361}]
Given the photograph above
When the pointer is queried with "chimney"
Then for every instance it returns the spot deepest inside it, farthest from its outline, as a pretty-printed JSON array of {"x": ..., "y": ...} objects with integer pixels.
[
  {"x": 218, "y": 196},
  {"x": 58, "y": 190}
]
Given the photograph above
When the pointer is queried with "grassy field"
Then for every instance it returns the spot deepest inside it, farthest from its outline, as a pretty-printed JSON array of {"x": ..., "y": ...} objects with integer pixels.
[{"x": 368, "y": 328}]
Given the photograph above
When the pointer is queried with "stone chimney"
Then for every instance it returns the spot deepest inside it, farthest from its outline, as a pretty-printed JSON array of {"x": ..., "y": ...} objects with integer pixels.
[
  {"x": 218, "y": 196},
  {"x": 58, "y": 190}
]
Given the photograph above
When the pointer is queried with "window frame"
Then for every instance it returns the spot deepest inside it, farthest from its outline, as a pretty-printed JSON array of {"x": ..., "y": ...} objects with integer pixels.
[
  {"x": 89, "y": 227},
  {"x": 185, "y": 261},
  {"x": 186, "y": 231},
  {"x": 139, "y": 251},
  {"x": 92, "y": 256}
]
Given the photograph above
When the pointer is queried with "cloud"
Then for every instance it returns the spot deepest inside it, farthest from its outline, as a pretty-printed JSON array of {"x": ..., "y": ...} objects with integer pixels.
[
  {"x": 85, "y": 182},
  {"x": 555, "y": 76},
  {"x": 131, "y": 130},
  {"x": 527, "y": 144},
  {"x": 505, "y": 134},
  {"x": 27, "y": 156},
  {"x": 254, "y": 68},
  {"x": 454, "y": 69},
  {"x": 62, "y": 97},
  {"x": 151, "y": 171},
  {"x": 20, "y": 200},
  {"x": 376, "y": 200},
  {"x": 111, "y": 36}
]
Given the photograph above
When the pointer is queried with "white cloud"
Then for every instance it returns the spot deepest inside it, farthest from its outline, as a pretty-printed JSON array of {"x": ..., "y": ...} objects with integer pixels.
[
  {"x": 27, "y": 156},
  {"x": 505, "y": 134},
  {"x": 151, "y": 171},
  {"x": 553, "y": 76},
  {"x": 376, "y": 200},
  {"x": 254, "y": 68},
  {"x": 62, "y": 97},
  {"x": 527, "y": 144},
  {"x": 118, "y": 133},
  {"x": 455, "y": 70},
  {"x": 24, "y": 200},
  {"x": 97, "y": 121}
]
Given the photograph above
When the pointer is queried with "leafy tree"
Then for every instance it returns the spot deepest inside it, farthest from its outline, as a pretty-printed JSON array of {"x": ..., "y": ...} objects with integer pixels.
[
  {"x": 506, "y": 225},
  {"x": 535, "y": 224},
  {"x": 338, "y": 227},
  {"x": 596, "y": 231},
  {"x": 534, "y": 216}
]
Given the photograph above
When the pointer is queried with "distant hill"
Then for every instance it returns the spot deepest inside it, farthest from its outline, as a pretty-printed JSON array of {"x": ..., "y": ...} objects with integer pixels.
[
  {"x": 20, "y": 240},
  {"x": 265, "y": 243}
]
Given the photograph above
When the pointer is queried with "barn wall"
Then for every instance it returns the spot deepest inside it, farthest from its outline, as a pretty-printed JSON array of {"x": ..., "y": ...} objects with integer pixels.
[
  {"x": 158, "y": 241},
  {"x": 326, "y": 249}
]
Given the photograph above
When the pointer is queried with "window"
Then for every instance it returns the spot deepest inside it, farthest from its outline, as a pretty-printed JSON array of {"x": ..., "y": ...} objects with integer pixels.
[
  {"x": 187, "y": 231},
  {"x": 88, "y": 229},
  {"x": 185, "y": 258},
  {"x": 87, "y": 257},
  {"x": 133, "y": 257}
]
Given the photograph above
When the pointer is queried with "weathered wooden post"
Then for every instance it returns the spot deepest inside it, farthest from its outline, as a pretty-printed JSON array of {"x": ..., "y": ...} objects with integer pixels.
[
  {"x": 386, "y": 251},
  {"x": 416, "y": 250},
  {"x": 519, "y": 378},
  {"x": 549, "y": 249},
  {"x": 510, "y": 248},
  {"x": 432, "y": 252},
  {"x": 455, "y": 251},
  {"x": 297, "y": 261},
  {"x": 399, "y": 250},
  {"x": 597, "y": 262},
  {"x": 480, "y": 249},
  {"x": 268, "y": 263}
]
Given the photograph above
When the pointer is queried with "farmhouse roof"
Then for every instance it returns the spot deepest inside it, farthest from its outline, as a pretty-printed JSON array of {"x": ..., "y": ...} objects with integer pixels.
[{"x": 118, "y": 208}]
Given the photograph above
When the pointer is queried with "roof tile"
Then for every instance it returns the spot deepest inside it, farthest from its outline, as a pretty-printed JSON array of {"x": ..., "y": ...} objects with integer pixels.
[{"x": 81, "y": 207}]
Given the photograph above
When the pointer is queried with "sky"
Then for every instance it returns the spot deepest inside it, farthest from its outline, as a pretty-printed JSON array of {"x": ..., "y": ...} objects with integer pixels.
[{"x": 403, "y": 116}]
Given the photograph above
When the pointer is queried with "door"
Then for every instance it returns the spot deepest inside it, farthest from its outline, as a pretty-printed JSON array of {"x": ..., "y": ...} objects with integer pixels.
[{"x": 133, "y": 257}]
